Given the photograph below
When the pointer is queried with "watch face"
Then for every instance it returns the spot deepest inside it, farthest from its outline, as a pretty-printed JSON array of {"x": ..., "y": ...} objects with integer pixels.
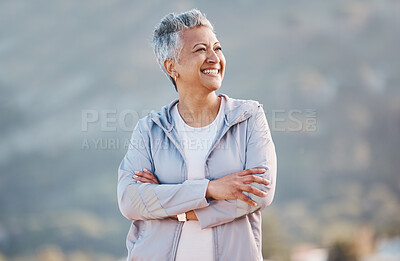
[{"x": 182, "y": 217}]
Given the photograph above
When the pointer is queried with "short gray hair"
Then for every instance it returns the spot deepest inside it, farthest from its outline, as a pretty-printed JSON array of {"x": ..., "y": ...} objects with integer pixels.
[{"x": 167, "y": 35}]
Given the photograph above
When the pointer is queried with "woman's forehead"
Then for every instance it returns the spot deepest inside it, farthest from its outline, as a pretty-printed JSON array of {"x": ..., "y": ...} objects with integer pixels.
[{"x": 201, "y": 34}]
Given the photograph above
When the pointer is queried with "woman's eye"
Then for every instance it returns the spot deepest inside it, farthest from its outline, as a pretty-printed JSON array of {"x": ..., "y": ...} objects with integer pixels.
[
  {"x": 219, "y": 48},
  {"x": 201, "y": 49}
]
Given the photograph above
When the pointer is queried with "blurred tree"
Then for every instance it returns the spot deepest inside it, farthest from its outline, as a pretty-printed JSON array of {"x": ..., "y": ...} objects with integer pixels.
[
  {"x": 51, "y": 253},
  {"x": 274, "y": 245},
  {"x": 342, "y": 250}
]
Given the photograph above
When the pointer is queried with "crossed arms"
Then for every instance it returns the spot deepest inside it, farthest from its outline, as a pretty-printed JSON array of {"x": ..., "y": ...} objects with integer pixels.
[
  {"x": 229, "y": 187},
  {"x": 230, "y": 197}
]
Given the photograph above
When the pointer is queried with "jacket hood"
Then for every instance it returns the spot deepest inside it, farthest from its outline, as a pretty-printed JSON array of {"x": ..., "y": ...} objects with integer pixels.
[{"x": 235, "y": 111}]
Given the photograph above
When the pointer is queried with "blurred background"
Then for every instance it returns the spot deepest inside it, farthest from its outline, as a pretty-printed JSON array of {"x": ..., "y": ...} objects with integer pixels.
[{"x": 75, "y": 76}]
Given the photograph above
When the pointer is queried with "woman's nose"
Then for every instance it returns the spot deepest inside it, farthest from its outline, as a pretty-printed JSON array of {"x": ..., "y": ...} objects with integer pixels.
[{"x": 212, "y": 57}]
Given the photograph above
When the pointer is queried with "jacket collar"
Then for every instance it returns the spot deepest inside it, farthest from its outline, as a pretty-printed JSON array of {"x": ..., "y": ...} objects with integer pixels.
[{"x": 235, "y": 111}]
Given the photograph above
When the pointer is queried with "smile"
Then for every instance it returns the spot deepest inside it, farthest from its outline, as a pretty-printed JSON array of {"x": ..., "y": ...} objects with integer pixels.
[{"x": 210, "y": 71}]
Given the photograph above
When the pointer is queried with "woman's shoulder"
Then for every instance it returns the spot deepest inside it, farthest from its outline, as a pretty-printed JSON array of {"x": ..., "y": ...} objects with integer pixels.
[
  {"x": 248, "y": 105},
  {"x": 161, "y": 118}
]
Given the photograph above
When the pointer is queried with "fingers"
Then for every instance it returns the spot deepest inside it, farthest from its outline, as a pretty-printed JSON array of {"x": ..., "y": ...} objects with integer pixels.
[
  {"x": 140, "y": 179},
  {"x": 246, "y": 199},
  {"x": 145, "y": 176},
  {"x": 254, "y": 178},
  {"x": 150, "y": 175},
  {"x": 253, "y": 190},
  {"x": 252, "y": 171}
]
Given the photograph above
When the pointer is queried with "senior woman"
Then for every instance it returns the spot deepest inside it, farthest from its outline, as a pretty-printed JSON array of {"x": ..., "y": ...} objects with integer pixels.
[{"x": 198, "y": 173}]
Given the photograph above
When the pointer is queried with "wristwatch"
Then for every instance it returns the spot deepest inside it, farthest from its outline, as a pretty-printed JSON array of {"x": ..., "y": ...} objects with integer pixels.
[{"x": 182, "y": 217}]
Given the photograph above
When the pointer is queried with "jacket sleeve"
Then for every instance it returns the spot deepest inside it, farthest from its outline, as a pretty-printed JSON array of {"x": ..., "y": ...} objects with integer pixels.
[
  {"x": 143, "y": 201},
  {"x": 260, "y": 154}
]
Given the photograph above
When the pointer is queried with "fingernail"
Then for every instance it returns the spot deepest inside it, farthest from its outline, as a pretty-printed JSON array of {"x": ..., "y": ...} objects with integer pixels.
[
  {"x": 136, "y": 172},
  {"x": 145, "y": 169},
  {"x": 134, "y": 176}
]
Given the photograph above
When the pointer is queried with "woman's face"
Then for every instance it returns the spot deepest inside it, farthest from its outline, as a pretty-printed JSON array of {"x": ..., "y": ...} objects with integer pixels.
[{"x": 201, "y": 62}]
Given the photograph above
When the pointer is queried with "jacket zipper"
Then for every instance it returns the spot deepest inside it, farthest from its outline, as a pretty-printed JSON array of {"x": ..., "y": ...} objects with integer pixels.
[
  {"x": 227, "y": 126},
  {"x": 180, "y": 224}
]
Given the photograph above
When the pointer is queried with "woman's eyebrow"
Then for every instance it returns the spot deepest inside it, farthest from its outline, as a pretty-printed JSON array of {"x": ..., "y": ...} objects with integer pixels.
[
  {"x": 199, "y": 44},
  {"x": 203, "y": 44}
]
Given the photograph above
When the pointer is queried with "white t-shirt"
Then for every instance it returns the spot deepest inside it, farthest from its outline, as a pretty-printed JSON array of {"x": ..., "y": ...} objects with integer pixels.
[{"x": 195, "y": 243}]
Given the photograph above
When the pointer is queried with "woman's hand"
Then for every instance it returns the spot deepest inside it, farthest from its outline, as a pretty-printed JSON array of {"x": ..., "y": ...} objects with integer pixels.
[
  {"x": 145, "y": 176},
  {"x": 232, "y": 186},
  {"x": 229, "y": 187}
]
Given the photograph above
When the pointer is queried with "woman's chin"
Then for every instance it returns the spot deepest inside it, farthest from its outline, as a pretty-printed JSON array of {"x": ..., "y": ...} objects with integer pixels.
[{"x": 213, "y": 86}]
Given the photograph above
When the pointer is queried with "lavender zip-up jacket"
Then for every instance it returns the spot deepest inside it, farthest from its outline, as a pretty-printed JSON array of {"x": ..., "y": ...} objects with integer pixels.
[{"x": 244, "y": 142}]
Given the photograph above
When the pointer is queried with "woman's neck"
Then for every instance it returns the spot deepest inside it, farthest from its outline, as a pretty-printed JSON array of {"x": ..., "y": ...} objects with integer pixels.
[{"x": 198, "y": 110}]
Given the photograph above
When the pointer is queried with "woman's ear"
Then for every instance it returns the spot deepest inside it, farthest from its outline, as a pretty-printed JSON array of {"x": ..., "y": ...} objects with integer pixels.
[{"x": 169, "y": 66}]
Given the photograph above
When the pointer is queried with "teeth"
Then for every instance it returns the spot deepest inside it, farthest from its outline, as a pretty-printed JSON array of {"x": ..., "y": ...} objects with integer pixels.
[{"x": 214, "y": 71}]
